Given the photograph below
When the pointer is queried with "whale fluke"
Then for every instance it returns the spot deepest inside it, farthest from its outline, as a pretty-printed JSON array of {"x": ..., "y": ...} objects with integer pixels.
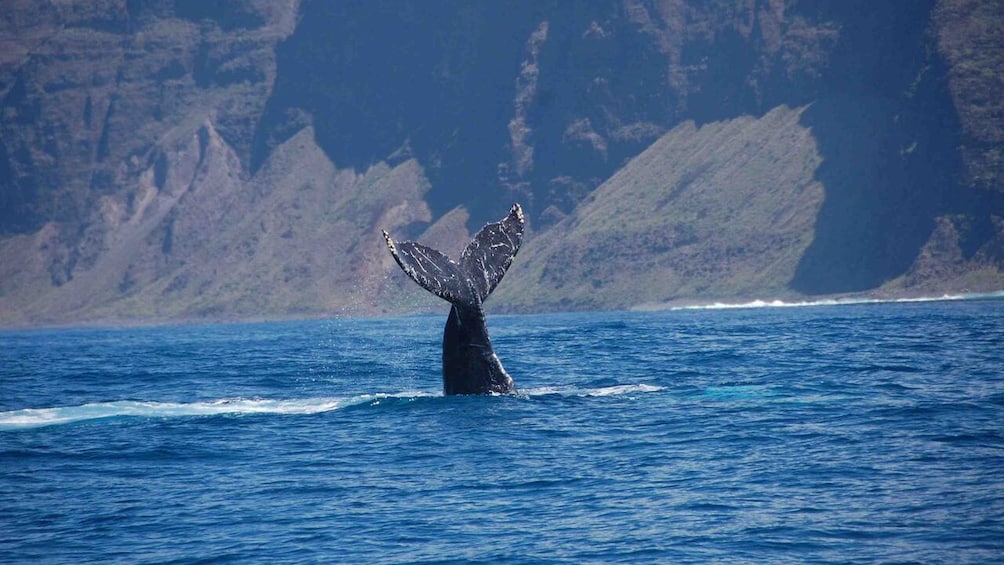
[
  {"x": 482, "y": 265},
  {"x": 470, "y": 365},
  {"x": 432, "y": 270},
  {"x": 487, "y": 257}
]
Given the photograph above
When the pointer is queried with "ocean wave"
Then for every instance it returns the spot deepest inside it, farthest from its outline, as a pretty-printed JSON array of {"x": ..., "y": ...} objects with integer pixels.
[
  {"x": 833, "y": 302},
  {"x": 616, "y": 390},
  {"x": 39, "y": 417}
]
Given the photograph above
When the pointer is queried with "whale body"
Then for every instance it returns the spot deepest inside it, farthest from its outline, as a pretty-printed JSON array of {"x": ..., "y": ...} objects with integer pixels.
[{"x": 470, "y": 365}]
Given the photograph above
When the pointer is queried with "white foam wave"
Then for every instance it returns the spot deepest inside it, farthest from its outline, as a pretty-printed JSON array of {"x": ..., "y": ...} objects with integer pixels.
[
  {"x": 833, "y": 302},
  {"x": 38, "y": 417},
  {"x": 602, "y": 391}
]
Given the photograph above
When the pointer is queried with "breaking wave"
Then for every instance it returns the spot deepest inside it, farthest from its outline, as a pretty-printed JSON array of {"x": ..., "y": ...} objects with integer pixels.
[
  {"x": 36, "y": 417},
  {"x": 834, "y": 302},
  {"x": 39, "y": 417},
  {"x": 602, "y": 391}
]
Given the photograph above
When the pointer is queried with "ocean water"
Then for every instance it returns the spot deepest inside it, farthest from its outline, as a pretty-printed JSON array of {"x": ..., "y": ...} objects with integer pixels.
[{"x": 829, "y": 434}]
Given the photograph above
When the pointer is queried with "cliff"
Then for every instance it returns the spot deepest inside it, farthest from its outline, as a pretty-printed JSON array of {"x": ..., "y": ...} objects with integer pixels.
[
  {"x": 729, "y": 209},
  {"x": 236, "y": 160}
]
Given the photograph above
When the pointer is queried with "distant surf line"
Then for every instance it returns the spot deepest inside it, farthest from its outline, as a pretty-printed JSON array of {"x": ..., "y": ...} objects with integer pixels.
[
  {"x": 759, "y": 303},
  {"x": 28, "y": 418}
]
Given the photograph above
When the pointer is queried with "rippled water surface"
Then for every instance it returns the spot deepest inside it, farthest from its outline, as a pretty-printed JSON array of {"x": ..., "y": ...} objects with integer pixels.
[{"x": 869, "y": 433}]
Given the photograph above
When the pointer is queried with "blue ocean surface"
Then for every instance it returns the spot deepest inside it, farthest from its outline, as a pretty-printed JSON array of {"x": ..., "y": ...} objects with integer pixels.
[{"x": 841, "y": 433}]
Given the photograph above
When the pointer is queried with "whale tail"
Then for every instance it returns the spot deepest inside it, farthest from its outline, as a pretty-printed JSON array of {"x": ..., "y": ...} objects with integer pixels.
[{"x": 482, "y": 265}]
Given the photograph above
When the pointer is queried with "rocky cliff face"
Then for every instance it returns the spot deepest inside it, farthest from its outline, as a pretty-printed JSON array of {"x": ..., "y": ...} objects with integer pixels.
[
  {"x": 164, "y": 160},
  {"x": 729, "y": 210},
  {"x": 968, "y": 36}
]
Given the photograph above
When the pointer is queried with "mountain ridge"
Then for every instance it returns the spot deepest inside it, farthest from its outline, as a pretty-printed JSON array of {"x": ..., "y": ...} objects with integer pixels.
[{"x": 237, "y": 160}]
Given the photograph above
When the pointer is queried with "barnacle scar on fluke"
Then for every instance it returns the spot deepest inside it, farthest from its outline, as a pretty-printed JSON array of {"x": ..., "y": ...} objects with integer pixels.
[{"x": 470, "y": 365}]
